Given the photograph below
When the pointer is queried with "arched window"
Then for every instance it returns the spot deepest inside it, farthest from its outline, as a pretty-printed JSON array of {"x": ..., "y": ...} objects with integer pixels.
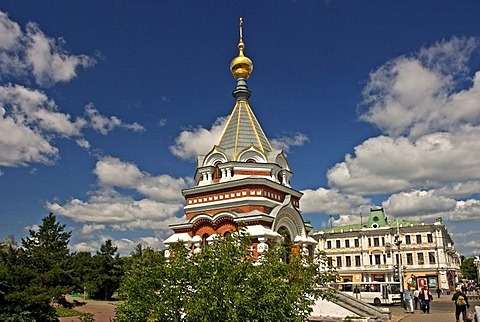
[
  {"x": 217, "y": 174},
  {"x": 251, "y": 161},
  {"x": 280, "y": 177}
]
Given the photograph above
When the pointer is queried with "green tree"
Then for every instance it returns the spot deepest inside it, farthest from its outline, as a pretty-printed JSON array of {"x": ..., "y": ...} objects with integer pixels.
[
  {"x": 36, "y": 274},
  {"x": 468, "y": 269},
  {"x": 107, "y": 272},
  {"x": 82, "y": 266},
  {"x": 223, "y": 282}
]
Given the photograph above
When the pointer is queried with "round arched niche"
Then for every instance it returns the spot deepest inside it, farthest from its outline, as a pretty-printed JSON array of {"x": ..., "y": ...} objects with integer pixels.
[
  {"x": 251, "y": 155},
  {"x": 215, "y": 157},
  {"x": 292, "y": 221}
]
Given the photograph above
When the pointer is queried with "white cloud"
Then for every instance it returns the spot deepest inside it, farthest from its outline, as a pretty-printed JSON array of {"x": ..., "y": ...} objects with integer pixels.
[
  {"x": 29, "y": 119},
  {"x": 35, "y": 228},
  {"x": 124, "y": 245},
  {"x": 416, "y": 95},
  {"x": 330, "y": 201},
  {"x": 107, "y": 207},
  {"x": 20, "y": 145},
  {"x": 83, "y": 143},
  {"x": 90, "y": 246},
  {"x": 459, "y": 189},
  {"x": 49, "y": 61},
  {"x": 10, "y": 33},
  {"x": 418, "y": 203},
  {"x": 385, "y": 165},
  {"x": 198, "y": 141},
  {"x": 33, "y": 53},
  {"x": 421, "y": 205},
  {"x": 160, "y": 202},
  {"x": 105, "y": 124},
  {"x": 116, "y": 173},
  {"x": 89, "y": 229},
  {"x": 285, "y": 142},
  {"x": 30, "y": 107},
  {"x": 10, "y": 41}
]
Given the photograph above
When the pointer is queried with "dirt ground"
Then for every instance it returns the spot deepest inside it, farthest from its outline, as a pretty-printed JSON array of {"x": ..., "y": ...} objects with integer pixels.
[{"x": 103, "y": 311}]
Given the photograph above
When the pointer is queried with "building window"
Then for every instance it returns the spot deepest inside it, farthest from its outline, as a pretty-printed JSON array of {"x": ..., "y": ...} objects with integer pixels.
[
  {"x": 377, "y": 260},
  {"x": 371, "y": 260},
  {"x": 376, "y": 242},
  {"x": 409, "y": 259},
  {"x": 421, "y": 261},
  {"x": 347, "y": 243},
  {"x": 383, "y": 241},
  {"x": 369, "y": 242},
  {"x": 419, "y": 239},
  {"x": 338, "y": 244},
  {"x": 384, "y": 258},
  {"x": 430, "y": 238},
  {"x": 329, "y": 244},
  {"x": 407, "y": 240},
  {"x": 348, "y": 261},
  {"x": 217, "y": 174},
  {"x": 357, "y": 260},
  {"x": 339, "y": 261},
  {"x": 330, "y": 262},
  {"x": 357, "y": 244},
  {"x": 431, "y": 257}
]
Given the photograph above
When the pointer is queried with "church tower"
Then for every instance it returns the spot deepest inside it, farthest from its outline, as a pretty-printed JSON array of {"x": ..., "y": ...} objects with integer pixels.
[{"x": 243, "y": 182}]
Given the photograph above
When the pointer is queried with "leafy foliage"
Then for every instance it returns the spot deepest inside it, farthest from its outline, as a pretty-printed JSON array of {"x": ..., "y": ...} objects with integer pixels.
[
  {"x": 104, "y": 279},
  {"x": 36, "y": 274},
  {"x": 469, "y": 270},
  {"x": 224, "y": 282}
]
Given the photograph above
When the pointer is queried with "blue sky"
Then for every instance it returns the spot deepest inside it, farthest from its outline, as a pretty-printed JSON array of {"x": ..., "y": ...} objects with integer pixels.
[{"x": 104, "y": 105}]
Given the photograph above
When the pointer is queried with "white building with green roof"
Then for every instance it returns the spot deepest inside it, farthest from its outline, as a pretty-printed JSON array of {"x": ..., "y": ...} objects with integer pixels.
[{"x": 420, "y": 254}]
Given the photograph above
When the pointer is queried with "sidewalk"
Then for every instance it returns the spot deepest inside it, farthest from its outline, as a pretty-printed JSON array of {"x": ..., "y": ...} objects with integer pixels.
[{"x": 441, "y": 310}]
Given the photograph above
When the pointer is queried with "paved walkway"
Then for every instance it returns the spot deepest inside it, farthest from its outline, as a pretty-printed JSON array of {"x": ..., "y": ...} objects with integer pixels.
[
  {"x": 441, "y": 310},
  {"x": 103, "y": 311}
]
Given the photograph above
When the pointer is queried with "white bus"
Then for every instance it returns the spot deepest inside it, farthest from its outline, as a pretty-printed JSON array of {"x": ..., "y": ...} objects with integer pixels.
[{"x": 376, "y": 293}]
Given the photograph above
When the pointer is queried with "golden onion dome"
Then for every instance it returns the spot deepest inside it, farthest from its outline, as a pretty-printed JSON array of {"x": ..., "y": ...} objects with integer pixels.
[{"x": 241, "y": 66}]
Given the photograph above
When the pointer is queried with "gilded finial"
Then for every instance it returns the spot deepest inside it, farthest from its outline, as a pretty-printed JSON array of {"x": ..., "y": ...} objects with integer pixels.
[
  {"x": 241, "y": 66},
  {"x": 241, "y": 31}
]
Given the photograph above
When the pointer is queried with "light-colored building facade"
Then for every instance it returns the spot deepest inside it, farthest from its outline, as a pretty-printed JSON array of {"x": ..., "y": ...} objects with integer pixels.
[{"x": 419, "y": 254}]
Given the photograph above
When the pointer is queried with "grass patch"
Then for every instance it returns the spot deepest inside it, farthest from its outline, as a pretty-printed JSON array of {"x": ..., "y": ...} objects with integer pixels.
[{"x": 64, "y": 312}]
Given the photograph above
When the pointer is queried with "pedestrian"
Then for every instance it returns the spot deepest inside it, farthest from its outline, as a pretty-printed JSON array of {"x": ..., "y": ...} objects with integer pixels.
[
  {"x": 439, "y": 291},
  {"x": 408, "y": 300},
  {"x": 356, "y": 291},
  {"x": 425, "y": 297},
  {"x": 461, "y": 304},
  {"x": 416, "y": 293}
]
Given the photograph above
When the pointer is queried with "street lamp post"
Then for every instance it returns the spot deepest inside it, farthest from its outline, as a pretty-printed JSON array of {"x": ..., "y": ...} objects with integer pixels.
[{"x": 397, "y": 241}]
